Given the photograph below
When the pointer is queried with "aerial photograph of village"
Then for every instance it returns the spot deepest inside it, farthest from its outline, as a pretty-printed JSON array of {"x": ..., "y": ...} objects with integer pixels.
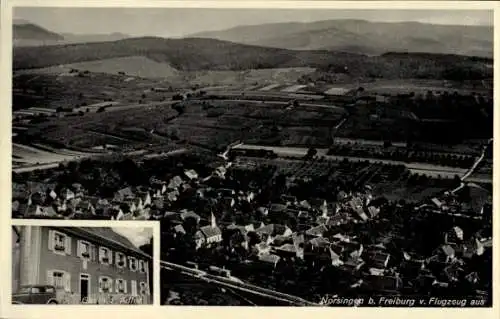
[{"x": 291, "y": 157}]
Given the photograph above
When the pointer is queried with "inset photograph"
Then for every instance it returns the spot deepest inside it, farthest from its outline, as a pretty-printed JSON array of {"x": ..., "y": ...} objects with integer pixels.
[{"x": 82, "y": 265}]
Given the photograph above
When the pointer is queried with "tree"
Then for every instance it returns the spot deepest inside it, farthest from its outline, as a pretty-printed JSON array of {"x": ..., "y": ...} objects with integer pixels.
[{"x": 311, "y": 152}]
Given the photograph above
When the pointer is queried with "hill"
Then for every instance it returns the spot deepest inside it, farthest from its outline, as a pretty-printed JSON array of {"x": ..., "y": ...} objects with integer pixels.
[
  {"x": 85, "y": 38},
  {"x": 28, "y": 31},
  {"x": 184, "y": 54},
  {"x": 360, "y": 36},
  {"x": 196, "y": 54}
]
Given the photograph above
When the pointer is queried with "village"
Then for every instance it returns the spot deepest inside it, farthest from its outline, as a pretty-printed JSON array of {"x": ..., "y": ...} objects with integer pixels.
[{"x": 256, "y": 227}]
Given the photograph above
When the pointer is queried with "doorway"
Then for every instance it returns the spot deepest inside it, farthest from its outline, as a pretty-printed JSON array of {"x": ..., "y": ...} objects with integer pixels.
[{"x": 84, "y": 287}]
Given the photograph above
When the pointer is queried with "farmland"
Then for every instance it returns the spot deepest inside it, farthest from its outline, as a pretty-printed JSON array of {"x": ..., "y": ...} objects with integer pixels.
[
  {"x": 393, "y": 182},
  {"x": 127, "y": 103}
]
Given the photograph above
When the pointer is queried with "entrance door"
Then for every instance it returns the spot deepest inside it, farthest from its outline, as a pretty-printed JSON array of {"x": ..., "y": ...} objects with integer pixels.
[
  {"x": 84, "y": 287},
  {"x": 133, "y": 285}
]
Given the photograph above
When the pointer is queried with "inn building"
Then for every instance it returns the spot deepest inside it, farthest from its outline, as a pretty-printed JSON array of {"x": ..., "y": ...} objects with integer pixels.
[{"x": 84, "y": 262}]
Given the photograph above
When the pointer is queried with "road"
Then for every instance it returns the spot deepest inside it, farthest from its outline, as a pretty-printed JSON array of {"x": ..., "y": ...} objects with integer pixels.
[
  {"x": 281, "y": 103},
  {"x": 473, "y": 168},
  {"x": 237, "y": 285}
]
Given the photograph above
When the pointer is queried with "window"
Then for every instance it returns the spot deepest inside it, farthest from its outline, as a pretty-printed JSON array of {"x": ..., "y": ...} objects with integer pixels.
[
  {"x": 36, "y": 290},
  {"x": 105, "y": 284},
  {"x": 142, "y": 266},
  {"x": 105, "y": 256},
  {"x": 120, "y": 260},
  {"x": 121, "y": 286},
  {"x": 59, "y": 243},
  {"x": 59, "y": 279},
  {"x": 49, "y": 290},
  {"x": 84, "y": 249},
  {"x": 132, "y": 261},
  {"x": 144, "y": 288}
]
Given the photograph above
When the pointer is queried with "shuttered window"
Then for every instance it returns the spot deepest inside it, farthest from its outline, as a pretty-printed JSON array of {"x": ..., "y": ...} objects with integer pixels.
[
  {"x": 121, "y": 286},
  {"x": 59, "y": 243},
  {"x": 105, "y": 256},
  {"x": 120, "y": 260},
  {"x": 59, "y": 279},
  {"x": 83, "y": 249},
  {"x": 105, "y": 284}
]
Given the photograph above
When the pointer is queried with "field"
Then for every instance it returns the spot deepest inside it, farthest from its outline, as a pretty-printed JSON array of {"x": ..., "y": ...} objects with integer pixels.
[
  {"x": 394, "y": 184},
  {"x": 133, "y": 66},
  {"x": 43, "y": 154},
  {"x": 68, "y": 92}
]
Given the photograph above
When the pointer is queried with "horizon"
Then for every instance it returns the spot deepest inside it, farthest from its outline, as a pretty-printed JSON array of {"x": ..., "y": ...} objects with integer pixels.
[{"x": 178, "y": 23}]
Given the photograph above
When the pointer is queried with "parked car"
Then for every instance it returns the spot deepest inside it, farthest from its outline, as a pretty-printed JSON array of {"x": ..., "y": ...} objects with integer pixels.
[{"x": 35, "y": 294}]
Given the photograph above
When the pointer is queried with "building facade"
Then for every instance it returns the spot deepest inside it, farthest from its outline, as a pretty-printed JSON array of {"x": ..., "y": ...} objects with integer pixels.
[{"x": 85, "y": 264}]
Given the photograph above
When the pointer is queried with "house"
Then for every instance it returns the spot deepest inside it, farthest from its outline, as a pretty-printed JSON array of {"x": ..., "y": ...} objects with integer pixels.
[
  {"x": 288, "y": 200},
  {"x": 281, "y": 240},
  {"x": 357, "y": 207},
  {"x": 124, "y": 194},
  {"x": 263, "y": 211},
  {"x": 190, "y": 214},
  {"x": 342, "y": 196},
  {"x": 373, "y": 211},
  {"x": 348, "y": 250},
  {"x": 175, "y": 182},
  {"x": 85, "y": 207},
  {"x": 269, "y": 260},
  {"x": 286, "y": 251},
  {"x": 92, "y": 262},
  {"x": 387, "y": 284},
  {"x": 20, "y": 191},
  {"x": 320, "y": 205},
  {"x": 191, "y": 174},
  {"x": 242, "y": 229},
  {"x": 317, "y": 231},
  {"x": 437, "y": 202},
  {"x": 179, "y": 230},
  {"x": 277, "y": 209},
  {"x": 453, "y": 273},
  {"x": 379, "y": 260},
  {"x": 353, "y": 265},
  {"x": 207, "y": 236},
  {"x": 454, "y": 236},
  {"x": 305, "y": 204},
  {"x": 472, "y": 247},
  {"x": 444, "y": 254},
  {"x": 227, "y": 202},
  {"x": 262, "y": 248},
  {"x": 273, "y": 230},
  {"x": 338, "y": 219},
  {"x": 319, "y": 243},
  {"x": 173, "y": 217}
]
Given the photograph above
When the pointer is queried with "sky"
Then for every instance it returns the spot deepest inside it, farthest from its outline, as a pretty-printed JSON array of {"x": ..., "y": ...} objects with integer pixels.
[
  {"x": 137, "y": 235},
  {"x": 178, "y": 22}
]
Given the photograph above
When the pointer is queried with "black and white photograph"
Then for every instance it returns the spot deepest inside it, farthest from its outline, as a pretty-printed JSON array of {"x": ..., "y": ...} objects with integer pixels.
[
  {"x": 291, "y": 157},
  {"x": 81, "y": 265}
]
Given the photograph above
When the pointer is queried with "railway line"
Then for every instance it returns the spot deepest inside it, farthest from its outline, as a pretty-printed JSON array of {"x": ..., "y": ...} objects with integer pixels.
[{"x": 237, "y": 285}]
